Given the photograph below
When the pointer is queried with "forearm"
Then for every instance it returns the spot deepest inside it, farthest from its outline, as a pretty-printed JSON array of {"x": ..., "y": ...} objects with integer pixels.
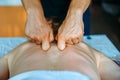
[
  {"x": 33, "y": 7},
  {"x": 78, "y": 5}
]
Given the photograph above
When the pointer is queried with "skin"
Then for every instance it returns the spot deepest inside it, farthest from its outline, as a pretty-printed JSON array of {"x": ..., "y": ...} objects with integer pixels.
[
  {"x": 39, "y": 30},
  {"x": 80, "y": 58}
]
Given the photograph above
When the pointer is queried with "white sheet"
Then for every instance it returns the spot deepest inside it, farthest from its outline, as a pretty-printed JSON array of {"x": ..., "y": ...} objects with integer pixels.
[{"x": 50, "y": 75}]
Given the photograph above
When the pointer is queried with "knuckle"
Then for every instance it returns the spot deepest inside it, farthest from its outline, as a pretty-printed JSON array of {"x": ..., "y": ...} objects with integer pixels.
[{"x": 60, "y": 36}]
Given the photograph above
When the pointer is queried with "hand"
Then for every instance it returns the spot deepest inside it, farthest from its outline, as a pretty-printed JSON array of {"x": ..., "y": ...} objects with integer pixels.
[
  {"x": 70, "y": 32},
  {"x": 39, "y": 30}
]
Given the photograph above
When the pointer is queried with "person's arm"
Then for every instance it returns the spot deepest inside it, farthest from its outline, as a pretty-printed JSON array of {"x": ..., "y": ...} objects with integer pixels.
[
  {"x": 72, "y": 29},
  {"x": 33, "y": 6},
  {"x": 37, "y": 27},
  {"x": 4, "y": 72},
  {"x": 78, "y": 5}
]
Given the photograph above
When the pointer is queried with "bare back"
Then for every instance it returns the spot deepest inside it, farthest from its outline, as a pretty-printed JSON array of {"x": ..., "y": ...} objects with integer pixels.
[
  {"x": 80, "y": 58},
  {"x": 30, "y": 56}
]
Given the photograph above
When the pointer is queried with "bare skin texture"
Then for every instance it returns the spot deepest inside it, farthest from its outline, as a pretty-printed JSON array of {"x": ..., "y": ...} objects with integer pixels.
[
  {"x": 80, "y": 58},
  {"x": 39, "y": 29}
]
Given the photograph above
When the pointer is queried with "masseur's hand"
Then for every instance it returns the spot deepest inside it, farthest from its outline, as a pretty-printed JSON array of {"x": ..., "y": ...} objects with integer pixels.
[
  {"x": 71, "y": 31},
  {"x": 38, "y": 29}
]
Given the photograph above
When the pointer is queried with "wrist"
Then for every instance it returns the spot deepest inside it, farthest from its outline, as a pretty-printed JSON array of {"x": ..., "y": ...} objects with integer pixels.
[
  {"x": 30, "y": 11},
  {"x": 76, "y": 13},
  {"x": 33, "y": 13},
  {"x": 79, "y": 5}
]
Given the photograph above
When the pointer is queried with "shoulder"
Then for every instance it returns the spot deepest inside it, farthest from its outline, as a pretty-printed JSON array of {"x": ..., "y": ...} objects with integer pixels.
[
  {"x": 85, "y": 47},
  {"x": 19, "y": 48}
]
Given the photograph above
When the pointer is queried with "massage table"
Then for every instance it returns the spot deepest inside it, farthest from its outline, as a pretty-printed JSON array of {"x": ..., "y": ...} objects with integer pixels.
[{"x": 99, "y": 42}]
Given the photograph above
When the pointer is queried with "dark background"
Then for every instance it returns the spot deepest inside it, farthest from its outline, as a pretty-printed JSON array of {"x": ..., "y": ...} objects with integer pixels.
[{"x": 104, "y": 22}]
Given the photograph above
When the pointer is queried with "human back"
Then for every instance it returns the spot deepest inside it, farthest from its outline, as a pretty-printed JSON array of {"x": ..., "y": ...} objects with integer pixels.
[{"x": 29, "y": 57}]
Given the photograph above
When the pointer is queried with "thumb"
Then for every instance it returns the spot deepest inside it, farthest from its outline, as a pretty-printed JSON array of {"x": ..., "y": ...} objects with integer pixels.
[
  {"x": 45, "y": 44},
  {"x": 56, "y": 38},
  {"x": 61, "y": 44},
  {"x": 51, "y": 36}
]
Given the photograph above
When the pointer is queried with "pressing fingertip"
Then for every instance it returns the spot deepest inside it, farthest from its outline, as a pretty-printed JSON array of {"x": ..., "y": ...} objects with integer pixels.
[
  {"x": 61, "y": 45},
  {"x": 45, "y": 46},
  {"x": 75, "y": 41}
]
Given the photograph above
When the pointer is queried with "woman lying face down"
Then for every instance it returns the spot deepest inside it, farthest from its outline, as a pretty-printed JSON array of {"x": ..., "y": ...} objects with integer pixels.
[{"x": 78, "y": 58}]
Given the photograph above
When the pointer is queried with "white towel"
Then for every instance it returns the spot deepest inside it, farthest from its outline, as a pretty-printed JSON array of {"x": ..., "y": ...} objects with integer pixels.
[{"x": 50, "y": 75}]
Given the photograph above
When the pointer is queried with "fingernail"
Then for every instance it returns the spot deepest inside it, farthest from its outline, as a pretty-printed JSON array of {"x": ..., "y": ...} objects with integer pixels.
[
  {"x": 45, "y": 46},
  {"x": 61, "y": 46}
]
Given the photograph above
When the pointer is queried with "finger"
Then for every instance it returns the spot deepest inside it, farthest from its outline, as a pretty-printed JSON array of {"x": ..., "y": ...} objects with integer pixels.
[
  {"x": 75, "y": 40},
  {"x": 34, "y": 39},
  {"x": 56, "y": 38},
  {"x": 37, "y": 40},
  {"x": 69, "y": 41},
  {"x": 45, "y": 43},
  {"x": 80, "y": 39},
  {"x": 61, "y": 43},
  {"x": 49, "y": 21},
  {"x": 68, "y": 45},
  {"x": 30, "y": 38},
  {"x": 51, "y": 36}
]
